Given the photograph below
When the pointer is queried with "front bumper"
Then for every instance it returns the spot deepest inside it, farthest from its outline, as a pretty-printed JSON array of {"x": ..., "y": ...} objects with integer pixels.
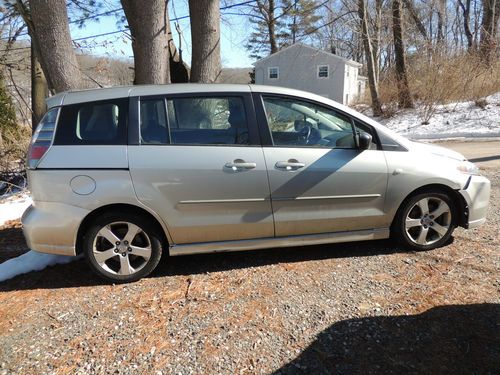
[
  {"x": 52, "y": 228},
  {"x": 477, "y": 196}
]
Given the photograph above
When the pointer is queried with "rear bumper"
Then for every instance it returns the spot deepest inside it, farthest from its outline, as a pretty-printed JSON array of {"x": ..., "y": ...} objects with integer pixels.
[
  {"x": 52, "y": 228},
  {"x": 477, "y": 197}
]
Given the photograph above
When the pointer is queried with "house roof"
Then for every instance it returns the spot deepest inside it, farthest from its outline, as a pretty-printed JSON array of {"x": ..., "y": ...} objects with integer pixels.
[{"x": 313, "y": 50}]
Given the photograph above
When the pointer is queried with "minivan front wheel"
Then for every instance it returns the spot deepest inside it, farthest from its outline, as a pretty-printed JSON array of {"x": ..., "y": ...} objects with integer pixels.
[
  {"x": 122, "y": 247},
  {"x": 426, "y": 221}
]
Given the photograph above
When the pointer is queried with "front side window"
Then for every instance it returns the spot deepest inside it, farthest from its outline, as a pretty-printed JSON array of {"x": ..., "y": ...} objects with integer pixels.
[
  {"x": 294, "y": 122},
  {"x": 274, "y": 72},
  {"x": 322, "y": 71},
  {"x": 93, "y": 123},
  {"x": 208, "y": 121}
]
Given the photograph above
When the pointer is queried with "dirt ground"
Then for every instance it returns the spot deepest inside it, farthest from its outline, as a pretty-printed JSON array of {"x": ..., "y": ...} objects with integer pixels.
[{"x": 354, "y": 308}]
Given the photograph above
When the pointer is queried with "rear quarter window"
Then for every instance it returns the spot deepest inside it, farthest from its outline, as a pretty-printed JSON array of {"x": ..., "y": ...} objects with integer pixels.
[{"x": 93, "y": 123}]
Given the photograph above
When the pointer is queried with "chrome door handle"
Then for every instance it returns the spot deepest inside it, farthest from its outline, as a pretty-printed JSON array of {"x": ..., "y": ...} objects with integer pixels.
[
  {"x": 290, "y": 165},
  {"x": 240, "y": 164}
]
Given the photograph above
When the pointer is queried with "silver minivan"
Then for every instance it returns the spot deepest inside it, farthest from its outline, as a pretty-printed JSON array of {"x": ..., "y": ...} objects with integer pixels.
[{"x": 124, "y": 174}]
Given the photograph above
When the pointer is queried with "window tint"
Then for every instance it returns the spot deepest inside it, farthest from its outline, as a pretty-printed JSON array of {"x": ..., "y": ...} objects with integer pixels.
[
  {"x": 94, "y": 123},
  {"x": 153, "y": 119},
  {"x": 208, "y": 121},
  {"x": 295, "y": 122}
]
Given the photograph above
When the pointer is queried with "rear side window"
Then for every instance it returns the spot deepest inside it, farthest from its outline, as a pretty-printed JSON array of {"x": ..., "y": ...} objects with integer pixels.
[
  {"x": 153, "y": 117},
  {"x": 93, "y": 123},
  {"x": 208, "y": 121}
]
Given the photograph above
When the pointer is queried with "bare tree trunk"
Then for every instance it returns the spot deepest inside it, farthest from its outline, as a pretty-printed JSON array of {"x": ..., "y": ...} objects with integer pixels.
[
  {"x": 39, "y": 86},
  {"x": 466, "y": 14},
  {"x": 39, "y": 90},
  {"x": 377, "y": 31},
  {"x": 489, "y": 27},
  {"x": 440, "y": 24},
  {"x": 148, "y": 20},
  {"x": 271, "y": 25},
  {"x": 205, "y": 40},
  {"x": 414, "y": 15},
  {"x": 57, "y": 57},
  {"x": 376, "y": 105},
  {"x": 405, "y": 100}
]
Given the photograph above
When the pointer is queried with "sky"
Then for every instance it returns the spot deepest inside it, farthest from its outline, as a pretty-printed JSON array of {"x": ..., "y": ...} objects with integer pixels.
[{"x": 234, "y": 34}]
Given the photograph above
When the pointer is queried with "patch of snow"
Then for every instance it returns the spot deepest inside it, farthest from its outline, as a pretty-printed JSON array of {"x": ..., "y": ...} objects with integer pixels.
[
  {"x": 31, "y": 261},
  {"x": 455, "y": 120},
  {"x": 13, "y": 208}
]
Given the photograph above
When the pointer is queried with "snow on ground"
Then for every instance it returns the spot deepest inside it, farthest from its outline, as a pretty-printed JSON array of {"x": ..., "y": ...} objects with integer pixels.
[
  {"x": 30, "y": 261},
  {"x": 12, "y": 208},
  {"x": 453, "y": 120}
]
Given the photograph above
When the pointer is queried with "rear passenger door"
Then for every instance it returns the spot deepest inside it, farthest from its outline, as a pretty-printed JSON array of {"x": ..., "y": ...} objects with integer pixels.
[{"x": 198, "y": 163}]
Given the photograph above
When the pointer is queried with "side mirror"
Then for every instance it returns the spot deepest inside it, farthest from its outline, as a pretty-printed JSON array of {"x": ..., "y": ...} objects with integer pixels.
[{"x": 364, "y": 141}]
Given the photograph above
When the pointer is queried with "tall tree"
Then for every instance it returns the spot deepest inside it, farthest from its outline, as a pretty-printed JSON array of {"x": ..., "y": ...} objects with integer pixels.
[
  {"x": 404, "y": 95},
  {"x": 416, "y": 19},
  {"x": 39, "y": 85},
  {"x": 280, "y": 23},
  {"x": 300, "y": 18},
  {"x": 264, "y": 39},
  {"x": 466, "y": 19},
  {"x": 39, "y": 89},
  {"x": 149, "y": 26},
  {"x": 370, "y": 63},
  {"x": 205, "y": 40},
  {"x": 57, "y": 57},
  {"x": 489, "y": 28}
]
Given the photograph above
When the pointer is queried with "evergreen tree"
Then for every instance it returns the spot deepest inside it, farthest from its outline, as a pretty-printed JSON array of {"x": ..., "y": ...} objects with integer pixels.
[
  {"x": 280, "y": 23},
  {"x": 301, "y": 19}
]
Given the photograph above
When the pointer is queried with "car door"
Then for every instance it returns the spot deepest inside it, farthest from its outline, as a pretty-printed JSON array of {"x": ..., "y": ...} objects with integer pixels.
[
  {"x": 200, "y": 166},
  {"x": 320, "y": 181}
]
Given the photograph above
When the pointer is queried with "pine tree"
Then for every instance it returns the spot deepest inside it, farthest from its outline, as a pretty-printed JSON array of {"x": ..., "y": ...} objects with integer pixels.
[
  {"x": 301, "y": 19},
  {"x": 280, "y": 23}
]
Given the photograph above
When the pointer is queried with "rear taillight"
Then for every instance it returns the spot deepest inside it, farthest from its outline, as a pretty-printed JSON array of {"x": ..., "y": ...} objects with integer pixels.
[{"x": 42, "y": 138}]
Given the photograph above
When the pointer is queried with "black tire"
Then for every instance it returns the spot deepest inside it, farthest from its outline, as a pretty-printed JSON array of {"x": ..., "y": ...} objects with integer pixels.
[
  {"x": 127, "y": 262},
  {"x": 431, "y": 228}
]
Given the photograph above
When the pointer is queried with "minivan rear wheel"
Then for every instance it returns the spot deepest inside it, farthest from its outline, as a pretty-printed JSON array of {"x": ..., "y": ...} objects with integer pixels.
[
  {"x": 425, "y": 221},
  {"x": 122, "y": 247}
]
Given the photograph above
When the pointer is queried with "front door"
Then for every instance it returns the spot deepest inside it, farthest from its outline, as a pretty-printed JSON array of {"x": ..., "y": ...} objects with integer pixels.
[
  {"x": 200, "y": 167},
  {"x": 320, "y": 181}
]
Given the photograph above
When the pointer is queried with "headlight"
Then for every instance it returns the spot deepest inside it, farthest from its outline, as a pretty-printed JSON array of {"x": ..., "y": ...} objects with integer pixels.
[{"x": 468, "y": 168}]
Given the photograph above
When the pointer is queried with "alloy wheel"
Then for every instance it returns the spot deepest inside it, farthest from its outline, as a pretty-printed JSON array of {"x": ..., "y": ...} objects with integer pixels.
[
  {"x": 122, "y": 248},
  {"x": 428, "y": 221}
]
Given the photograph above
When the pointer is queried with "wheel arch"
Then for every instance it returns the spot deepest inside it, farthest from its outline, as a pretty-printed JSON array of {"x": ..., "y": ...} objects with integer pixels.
[
  {"x": 458, "y": 201},
  {"x": 118, "y": 207}
]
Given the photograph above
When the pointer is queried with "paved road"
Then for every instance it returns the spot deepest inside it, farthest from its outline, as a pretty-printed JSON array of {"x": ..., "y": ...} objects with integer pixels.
[{"x": 485, "y": 154}]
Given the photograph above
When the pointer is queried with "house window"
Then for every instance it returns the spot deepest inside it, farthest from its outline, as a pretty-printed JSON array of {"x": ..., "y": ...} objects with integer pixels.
[
  {"x": 274, "y": 72},
  {"x": 347, "y": 71},
  {"x": 322, "y": 71}
]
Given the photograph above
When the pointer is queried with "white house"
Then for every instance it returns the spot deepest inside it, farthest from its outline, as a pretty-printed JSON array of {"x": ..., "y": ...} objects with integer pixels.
[{"x": 303, "y": 67}]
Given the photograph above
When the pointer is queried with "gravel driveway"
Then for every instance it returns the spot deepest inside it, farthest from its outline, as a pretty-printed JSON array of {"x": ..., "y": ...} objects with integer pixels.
[{"x": 366, "y": 307}]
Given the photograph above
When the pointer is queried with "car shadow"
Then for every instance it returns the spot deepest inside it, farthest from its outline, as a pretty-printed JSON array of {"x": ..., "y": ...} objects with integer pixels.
[
  {"x": 78, "y": 273},
  {"x": 454, "y": 339}
]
